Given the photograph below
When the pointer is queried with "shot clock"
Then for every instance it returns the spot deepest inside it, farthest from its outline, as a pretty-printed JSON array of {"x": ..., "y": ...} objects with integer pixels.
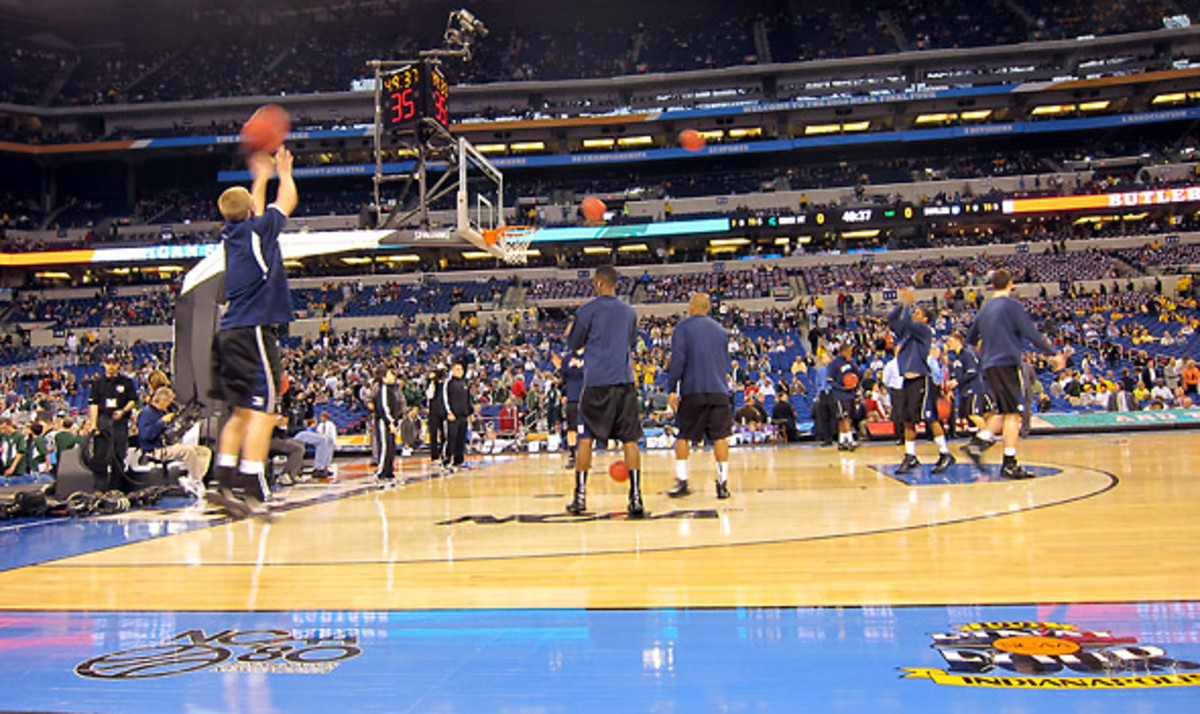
[{"x": 415, "y": 92}]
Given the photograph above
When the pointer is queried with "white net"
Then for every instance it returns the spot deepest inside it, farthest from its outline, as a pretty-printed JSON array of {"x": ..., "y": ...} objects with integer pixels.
[{"x": 515, "y": 244}]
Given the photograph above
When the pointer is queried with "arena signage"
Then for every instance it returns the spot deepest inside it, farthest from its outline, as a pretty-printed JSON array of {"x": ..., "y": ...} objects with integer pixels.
[
  {"x": 1127, "y": 199},
  {"x": 1048, "y": 655}
]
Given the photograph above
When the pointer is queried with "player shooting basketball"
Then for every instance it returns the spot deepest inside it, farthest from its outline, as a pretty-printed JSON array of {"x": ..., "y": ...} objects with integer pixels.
[{"x": 246, "y": 348}]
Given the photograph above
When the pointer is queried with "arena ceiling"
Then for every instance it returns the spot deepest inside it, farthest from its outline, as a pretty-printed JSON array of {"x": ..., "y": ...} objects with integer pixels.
[{"x": 99, "y": 21}]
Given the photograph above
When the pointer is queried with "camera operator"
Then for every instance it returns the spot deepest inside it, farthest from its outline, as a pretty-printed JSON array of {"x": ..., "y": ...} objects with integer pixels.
[{"x": 152, "y": 425}]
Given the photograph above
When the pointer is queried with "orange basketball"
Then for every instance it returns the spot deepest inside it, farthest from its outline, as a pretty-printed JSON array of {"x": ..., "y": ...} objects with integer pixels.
[
  {"x": 850, "y": 380},
  {"x": 691, "y": 140},
  {"x": 266, "y": 129},
  {"x": 618, "y": 470},
  {"x": 944, "y": 409},
  {"x": 593, "y": 208},
  {"x": 491, "y": 237}
]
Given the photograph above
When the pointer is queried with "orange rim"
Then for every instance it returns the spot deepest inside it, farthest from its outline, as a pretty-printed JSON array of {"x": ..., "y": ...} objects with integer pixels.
[{"x": 492, "y": 236}]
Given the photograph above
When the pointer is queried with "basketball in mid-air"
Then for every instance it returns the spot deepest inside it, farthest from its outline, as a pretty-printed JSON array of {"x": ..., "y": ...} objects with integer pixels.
[
  {"x": 691, "y": 140},
  {"x": 618, "y": 470},
  {"x": 266, "y": 129},
  {"x": 593, "y": 209}
]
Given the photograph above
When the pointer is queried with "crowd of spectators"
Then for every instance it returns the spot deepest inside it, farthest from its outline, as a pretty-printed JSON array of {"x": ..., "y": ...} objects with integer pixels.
[{"x": 294, "y": 58}]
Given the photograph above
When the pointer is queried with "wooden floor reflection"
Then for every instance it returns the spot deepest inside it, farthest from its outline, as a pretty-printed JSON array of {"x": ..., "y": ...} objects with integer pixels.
[{"x": 1111, "y": 519}]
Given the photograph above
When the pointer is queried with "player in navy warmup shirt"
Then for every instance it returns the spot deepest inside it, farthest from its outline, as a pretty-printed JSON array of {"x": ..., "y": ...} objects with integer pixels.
[
  {"x": 571, "y": 376},
  {"x": 698, "y": 385},
  {"x": 843, "y": 396},
  {"x": 246, "y": 348},
  {"x": 606, "y": 329},
  {"x": 917, "y": 398},
  {"x": 1002, "y": 327},
  {"x": 966, "y": 379}
]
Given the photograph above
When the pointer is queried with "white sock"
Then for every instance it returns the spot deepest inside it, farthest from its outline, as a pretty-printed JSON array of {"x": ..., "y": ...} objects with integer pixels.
[
  {"x": 843, "y": 437},
  {"x": 986, "y": 435},
  {"x": 941, "y": 444},
  {"x": 910, "y": 448},
  {"x": 681, "y": 470},
  {"x": 722, "y": 471},
  {"x": 1010, "y": 452},
  {"x": 228, "y": 461}
]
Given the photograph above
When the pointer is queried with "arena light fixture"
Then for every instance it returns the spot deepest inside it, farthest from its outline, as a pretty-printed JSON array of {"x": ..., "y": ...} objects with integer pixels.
[
  {"x": 722, "y": 249},
  {"x": 814, "y": 129},
  {"x": 976, "y": 114},
  {"x": 598, "y": 143},
  {"x": 362, "y": 260},
  {"x": 856, "y": 126},
  {"x": 405, "y": 258},
  {"x": 596, "y": 249},
  {"x": 936, "y": 118},
  {"x": 783, "y": 241},
  {"x": 641, "y": 140},
  {"x": 52, "y": 276},
  {"x": 868, "y": 233},
  {"x": 712, "y": 134},
  {"x": 1052, "y": 109},
  {"x": 1096, "y": 106},
  {"x": 491, "y": 148},
  {"x": 745, "y": 132},
  {"x": 728, "y": 242},
  {"x": 634, "y": 248},
  {"x": 292, "y": 264},
  {"x": 528, "y": 146},
  {"x": 1170, "y": 98},
  {"x": 476, "y": 254}
]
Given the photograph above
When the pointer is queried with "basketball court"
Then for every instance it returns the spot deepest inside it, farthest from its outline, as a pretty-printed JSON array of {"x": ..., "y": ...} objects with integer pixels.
[{"x": 825, "y": 583}]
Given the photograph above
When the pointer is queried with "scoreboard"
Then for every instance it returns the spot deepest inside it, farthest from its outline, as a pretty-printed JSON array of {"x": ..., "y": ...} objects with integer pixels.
[{"x": 415, "y": 92}]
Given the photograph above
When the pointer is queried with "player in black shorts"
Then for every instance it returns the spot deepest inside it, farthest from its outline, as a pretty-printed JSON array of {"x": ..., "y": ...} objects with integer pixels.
[
  {"x": 1001, "y": 328},
  {"x": 841, "y": 381},
  {"x": 917, "y": 399},
  {"x": 698, "y": 385},
  {"x": 571, "y": 378},
  {"x": 246, "y": 348},
  {"x": 606, "y": 329},
  {"x": 966, "y": 379}
]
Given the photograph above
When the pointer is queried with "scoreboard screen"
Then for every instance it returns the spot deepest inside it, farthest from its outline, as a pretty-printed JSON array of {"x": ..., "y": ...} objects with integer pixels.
[{"x": 415, "y": 92}]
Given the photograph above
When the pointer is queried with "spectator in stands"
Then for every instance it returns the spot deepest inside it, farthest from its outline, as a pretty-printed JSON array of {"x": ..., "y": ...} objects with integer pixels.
[
  {"x": 322, "y": 436},
  {"x": 752, "y": 413}
]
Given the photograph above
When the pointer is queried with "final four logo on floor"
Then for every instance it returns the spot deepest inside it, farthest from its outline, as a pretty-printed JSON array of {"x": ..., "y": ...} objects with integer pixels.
[
  {"x": 272, "y": 651},
  {"x": 1049, "y": 655}
]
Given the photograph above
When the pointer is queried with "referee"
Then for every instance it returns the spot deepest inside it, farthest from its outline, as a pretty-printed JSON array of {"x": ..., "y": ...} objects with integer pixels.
[
  {"x": 606, "y": 329},
  {"x": 697, "y": 381}
]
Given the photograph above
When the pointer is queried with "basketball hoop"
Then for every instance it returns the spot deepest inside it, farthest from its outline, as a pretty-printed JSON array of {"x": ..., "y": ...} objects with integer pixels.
[{"x": 513, "y": 241}]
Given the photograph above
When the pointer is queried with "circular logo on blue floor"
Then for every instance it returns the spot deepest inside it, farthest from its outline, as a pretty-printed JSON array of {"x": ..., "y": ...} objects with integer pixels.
[
  {"x": 926, "y": 475},
  {"x": 275, "y": 651},
  {"x": 1049, "y": 655}
]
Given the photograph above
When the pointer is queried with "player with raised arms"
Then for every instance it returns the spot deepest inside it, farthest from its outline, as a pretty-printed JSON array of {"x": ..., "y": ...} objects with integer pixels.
[{"x": 246, "y": 364}]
